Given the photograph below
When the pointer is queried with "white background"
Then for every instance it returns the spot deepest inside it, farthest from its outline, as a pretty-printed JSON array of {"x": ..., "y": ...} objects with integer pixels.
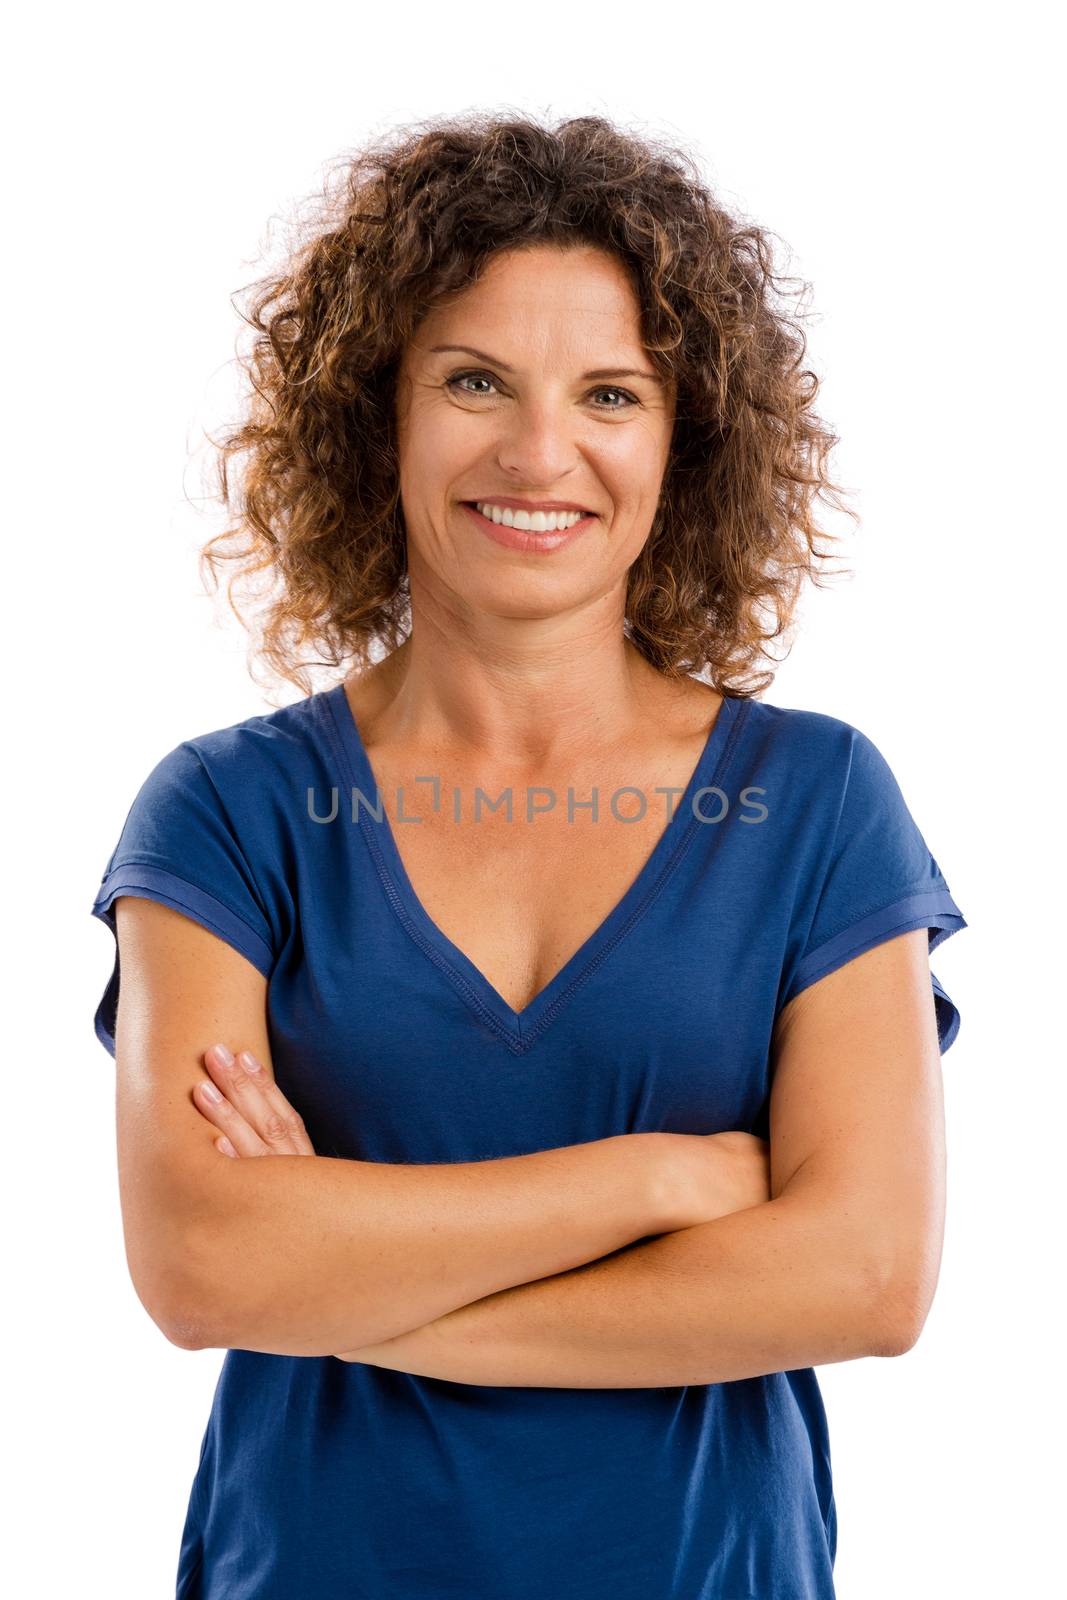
[{"x": 905, "y": 157}]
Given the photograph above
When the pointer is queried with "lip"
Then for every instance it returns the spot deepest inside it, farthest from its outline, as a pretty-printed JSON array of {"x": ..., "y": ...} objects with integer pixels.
[
  {"x": 527, "y": 538},
  {"x": 527, "y": 505}
]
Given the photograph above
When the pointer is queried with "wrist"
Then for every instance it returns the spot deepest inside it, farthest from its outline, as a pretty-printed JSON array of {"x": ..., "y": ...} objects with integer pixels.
[{"x": 662, "y": 1197}]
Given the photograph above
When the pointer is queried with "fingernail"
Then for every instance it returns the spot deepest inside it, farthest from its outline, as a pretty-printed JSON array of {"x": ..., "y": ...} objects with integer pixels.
[
  {"x": 210, "y": 1092},
  {"x": 226, "y": 1147},
  {"x": 224, "y": 1055},
  {"x": 250, "y": 1061}
]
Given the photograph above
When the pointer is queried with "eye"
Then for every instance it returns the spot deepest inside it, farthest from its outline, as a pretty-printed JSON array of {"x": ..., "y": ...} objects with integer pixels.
[
  {"x": 631, "y": 400},
  {"x": 459, "y": 378}
]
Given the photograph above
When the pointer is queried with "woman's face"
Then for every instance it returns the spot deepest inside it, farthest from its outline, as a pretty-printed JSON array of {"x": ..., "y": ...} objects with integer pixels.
[{"x": 554, "y": 399}]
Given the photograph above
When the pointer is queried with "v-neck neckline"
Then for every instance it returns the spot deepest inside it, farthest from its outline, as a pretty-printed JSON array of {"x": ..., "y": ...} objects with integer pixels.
[{"x": 519, "y": 1029}]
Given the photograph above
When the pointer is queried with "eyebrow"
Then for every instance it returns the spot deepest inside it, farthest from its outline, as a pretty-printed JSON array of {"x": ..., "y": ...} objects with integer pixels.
[{"x": 600, "y": 372}]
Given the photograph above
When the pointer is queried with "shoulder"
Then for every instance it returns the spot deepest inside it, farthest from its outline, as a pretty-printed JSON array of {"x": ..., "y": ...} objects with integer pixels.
[
  {"x": 220, "y": 809},
  {"x": 259, "y": 750},
  {"x": 246, "y": 780},
  {"x": 809, "y": 737},
  {"x": 267, "y": 736},
  {"x": 823, "y": 770}
]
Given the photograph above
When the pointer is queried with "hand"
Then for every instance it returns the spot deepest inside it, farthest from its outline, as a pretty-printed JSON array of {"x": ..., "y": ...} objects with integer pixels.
[
  {"x": 253, "y": 1116},
  {"x": 715, "y": 1174},
  {"x": 256, "y": 1119}
]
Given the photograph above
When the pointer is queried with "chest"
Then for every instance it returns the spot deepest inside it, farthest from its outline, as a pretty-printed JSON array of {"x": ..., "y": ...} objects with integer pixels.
[
  {"x": 521, "y": 896},
  {"x": 543, "y": 1004},
  {"x": 463, "y": 984}
]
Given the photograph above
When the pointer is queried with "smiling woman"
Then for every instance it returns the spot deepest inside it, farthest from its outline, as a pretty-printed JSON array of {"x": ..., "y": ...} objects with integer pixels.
[
  {"x": 579, "y": 1138},
  {"x": 546, "y": 424},
  {"x": 675, "y": 299}
]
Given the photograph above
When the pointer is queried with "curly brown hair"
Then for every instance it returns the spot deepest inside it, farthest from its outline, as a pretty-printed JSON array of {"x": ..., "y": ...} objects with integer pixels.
[{"x": 316, "y": 508}]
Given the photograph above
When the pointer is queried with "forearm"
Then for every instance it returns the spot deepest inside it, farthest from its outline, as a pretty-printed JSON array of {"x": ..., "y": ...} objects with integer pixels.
[
  {"x": 767, "y": 1289},
  {"x": 265, "y": 1254}
]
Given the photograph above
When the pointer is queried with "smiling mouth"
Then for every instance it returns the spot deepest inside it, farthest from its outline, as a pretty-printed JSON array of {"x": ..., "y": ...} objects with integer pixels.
[
  {"x": 578, "y": 513},
  {"x": 539, "y": 541}
]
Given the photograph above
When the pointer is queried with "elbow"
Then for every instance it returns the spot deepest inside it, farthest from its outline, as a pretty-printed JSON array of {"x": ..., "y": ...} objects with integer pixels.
[
  {"x": 900, "y": 1283},
  {"x": 179, "y": 1315},
  {"x": 197, "y": 1314},
  {"x": 899, "y": 1317},
  {"x": 187, "y": 1332},
  {"x": 183, "y": 1231},
  {"x": 192, "y": 1319},
  {"x": 179, "y": 1291}
]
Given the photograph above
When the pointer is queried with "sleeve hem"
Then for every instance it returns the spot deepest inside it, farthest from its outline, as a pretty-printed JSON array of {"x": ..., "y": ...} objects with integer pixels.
[
  {"x": 933, "y": 909},
  {"x": 157, "y": 883},
  {"x": 948, "y": 1016}
]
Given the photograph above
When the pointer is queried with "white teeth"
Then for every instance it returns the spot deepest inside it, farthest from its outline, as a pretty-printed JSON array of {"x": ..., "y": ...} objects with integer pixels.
[{"x": 530, "y": 521}]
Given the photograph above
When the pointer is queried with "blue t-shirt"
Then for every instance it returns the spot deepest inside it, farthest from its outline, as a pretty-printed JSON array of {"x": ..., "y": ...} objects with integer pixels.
[{"x": 791, "y": 852}]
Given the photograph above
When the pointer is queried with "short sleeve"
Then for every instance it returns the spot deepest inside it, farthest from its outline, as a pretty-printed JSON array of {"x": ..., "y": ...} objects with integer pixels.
[
  {"x": 880, "y": 880},
  {"x": 179, "y": 845}
]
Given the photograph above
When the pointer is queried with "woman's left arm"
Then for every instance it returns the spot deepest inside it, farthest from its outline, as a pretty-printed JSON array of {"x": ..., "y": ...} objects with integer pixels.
[{"x": 841, "y": 1262}]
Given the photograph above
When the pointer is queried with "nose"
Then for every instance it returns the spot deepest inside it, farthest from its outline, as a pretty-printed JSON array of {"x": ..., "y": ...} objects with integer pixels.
[{"x": 538, "y": 446}]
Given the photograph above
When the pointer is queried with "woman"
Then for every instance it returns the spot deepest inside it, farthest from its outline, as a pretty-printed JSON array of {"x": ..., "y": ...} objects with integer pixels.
[{"x": 619, "y": 1068}]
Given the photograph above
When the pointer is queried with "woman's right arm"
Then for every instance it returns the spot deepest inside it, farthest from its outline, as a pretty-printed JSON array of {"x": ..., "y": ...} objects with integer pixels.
[{"x": 297, "y": 1256}]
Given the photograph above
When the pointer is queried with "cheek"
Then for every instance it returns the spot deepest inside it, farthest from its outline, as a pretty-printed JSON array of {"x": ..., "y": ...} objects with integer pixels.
[
  {"x": 439, "y": 448},
  {"x": 631, "y": 468}
]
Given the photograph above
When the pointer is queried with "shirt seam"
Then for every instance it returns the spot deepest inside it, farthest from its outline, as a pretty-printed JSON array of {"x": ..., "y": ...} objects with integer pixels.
[{"x": 159, "y": 865}]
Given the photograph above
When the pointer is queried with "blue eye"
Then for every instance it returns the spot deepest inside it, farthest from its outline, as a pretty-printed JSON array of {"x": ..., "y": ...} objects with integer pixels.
[{"x": 459, "y": 378}]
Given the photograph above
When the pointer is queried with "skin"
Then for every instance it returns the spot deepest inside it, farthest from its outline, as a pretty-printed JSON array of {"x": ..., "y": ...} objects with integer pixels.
[
  {"x": 517, "y": 672},
  {"x": 830, "y": 1247},
  {"x": 510, "y": 650},
  {"x": 775, "y": 1280},
  {"x": 242, "y": 1097}
]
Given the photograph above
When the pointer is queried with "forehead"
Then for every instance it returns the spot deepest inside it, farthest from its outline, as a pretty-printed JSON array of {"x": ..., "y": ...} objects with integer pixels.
[{"x": 543, "y": 298}]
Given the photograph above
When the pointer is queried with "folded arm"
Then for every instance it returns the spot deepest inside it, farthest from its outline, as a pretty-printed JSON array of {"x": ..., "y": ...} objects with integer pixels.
[
  {"x": 291, "y": 1256},
  {"x": 841, "y": 1262},
  {"x": 526, "y": 1270}
]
